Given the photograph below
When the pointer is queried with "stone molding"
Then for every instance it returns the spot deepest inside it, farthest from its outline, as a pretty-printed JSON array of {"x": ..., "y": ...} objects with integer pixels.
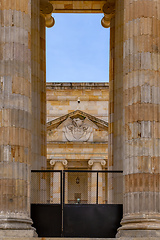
[
  {"x": 54, "y": 160},
  {"x": 109, "y": 12},
  {"x": 46, "y": 9},
  {"x": 98, "y": 160},
  {"x": 77, "y": 85},
  {"x": 54, "y": 123}
]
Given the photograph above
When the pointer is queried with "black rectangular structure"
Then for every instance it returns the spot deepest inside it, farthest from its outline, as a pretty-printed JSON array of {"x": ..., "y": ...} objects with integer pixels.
[
  {"x": 92, "y": 220},
  {"x": 47, "y": 219},
  {"x": 54, "y": 214}
]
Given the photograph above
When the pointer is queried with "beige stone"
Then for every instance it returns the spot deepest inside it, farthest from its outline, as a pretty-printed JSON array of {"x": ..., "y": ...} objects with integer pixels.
[{"x": 132, "y": 110}]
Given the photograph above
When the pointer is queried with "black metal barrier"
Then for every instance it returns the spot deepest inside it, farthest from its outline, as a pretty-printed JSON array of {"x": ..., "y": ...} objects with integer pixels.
[
  {"x": 62, "y": 207},
  {"x": 92, "y": 220},
  {"x": 47, "y": 219}
]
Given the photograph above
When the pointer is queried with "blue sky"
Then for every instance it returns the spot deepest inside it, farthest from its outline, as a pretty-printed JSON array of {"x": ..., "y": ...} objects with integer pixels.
[{"x": 77, "y": 49}]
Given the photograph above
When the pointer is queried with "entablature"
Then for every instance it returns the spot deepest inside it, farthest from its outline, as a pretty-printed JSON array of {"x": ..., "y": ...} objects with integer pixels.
[{"x": 75, "y": 6}]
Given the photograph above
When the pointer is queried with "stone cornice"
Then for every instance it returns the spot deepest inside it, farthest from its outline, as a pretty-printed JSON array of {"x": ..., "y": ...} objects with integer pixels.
[
  {"x": 48, "y": 6},
  {"x": 56, "y": 122},
  {"x": 77, "y": 85},
  {"x": 78, "y": 6}
]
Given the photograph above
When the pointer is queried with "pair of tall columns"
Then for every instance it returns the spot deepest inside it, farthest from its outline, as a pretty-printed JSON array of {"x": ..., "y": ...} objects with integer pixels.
[
  {"x": 134, "y": 128},
  {"x": 134, "y": 115}
]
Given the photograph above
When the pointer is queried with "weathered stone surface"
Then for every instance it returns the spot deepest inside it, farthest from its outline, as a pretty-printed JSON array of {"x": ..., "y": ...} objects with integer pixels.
[
  {"x": 79, "y": 101},
  {"x": 141, "y": 118},
  {"x": 77, "y": 130},
  {"x": 15, "y": 108}
]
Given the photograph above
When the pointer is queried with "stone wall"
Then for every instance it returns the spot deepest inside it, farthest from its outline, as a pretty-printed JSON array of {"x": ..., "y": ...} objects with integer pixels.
[
  {"x": 63, "y": 98},
  {"x": 77, "y": 130}
]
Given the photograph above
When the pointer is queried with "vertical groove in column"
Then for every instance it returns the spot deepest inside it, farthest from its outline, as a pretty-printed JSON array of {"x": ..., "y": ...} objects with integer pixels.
[
  {"x": 141, "y": 118},
  {"x": 15, "y": 114}
]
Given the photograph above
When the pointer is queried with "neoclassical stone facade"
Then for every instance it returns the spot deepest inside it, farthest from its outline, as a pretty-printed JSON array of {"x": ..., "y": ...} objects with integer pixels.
[
  {"x": 77, "y": 134},
  {"x": 133, "y": 106}
]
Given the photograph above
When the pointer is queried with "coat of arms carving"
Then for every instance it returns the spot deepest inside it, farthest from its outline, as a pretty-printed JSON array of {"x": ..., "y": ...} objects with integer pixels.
[{"x": 78, "y": 130}]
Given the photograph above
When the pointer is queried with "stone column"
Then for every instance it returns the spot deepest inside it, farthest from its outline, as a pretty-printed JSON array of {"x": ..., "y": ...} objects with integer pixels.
[
  {"x": 96, "y": 164},
  {"x": 40, "y": 10},
  {"x": 15, "y": 118},
  {"x": 41, "y": 17},
  {"x": 111, "y": 112},
  {"x": 115, "y": 138},
  {"x": 55, "y": 184},
  {"x": 141, "y": 93},
  {"x": 46, "y": 20}
]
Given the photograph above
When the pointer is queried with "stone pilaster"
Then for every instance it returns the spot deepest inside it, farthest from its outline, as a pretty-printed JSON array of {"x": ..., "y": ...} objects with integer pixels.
[
  {"x": 96, "y": 164},
  {"x": 15, "y": 117},
  {"x": 141, "y": 43},
  {"x": 55, "y": 191}
]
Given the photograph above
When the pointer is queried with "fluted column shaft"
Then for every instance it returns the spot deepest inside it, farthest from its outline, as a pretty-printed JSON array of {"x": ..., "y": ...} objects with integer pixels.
[
  {"x": 96, "y": 165},
  {"x": 55, "y": 186},
  {"x": 15, "y": 114},
  {"x": 115, "y": 181},
  {"x": 36, "y": 86},
  {"x": 43, "y": 116},
  {"x": 141, "y": 43}
]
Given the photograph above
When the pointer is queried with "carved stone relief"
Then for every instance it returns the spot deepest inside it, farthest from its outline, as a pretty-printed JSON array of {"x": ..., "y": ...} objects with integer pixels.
[{"x": 78, "y": 130}]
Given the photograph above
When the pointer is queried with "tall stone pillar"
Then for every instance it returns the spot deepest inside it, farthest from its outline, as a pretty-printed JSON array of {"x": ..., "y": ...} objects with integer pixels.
[
  {"x": 96, "y": 164},
  {"x": 43, "y": 91},
  {"x": 115, "y": 138},
  {"x": 55, "y": 185},
  {"x": 41, "y": 17},
  {"x": 111, "y": 113},
  {"x": 15, "y": 118},
  {"x": 141, "y": 108}
]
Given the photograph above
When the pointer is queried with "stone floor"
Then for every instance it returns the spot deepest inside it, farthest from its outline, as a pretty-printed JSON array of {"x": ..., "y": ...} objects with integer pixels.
[{"x": 126, "y": 238}]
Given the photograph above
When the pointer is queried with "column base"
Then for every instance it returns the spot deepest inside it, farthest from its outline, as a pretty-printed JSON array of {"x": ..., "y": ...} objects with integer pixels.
[
  {"x": 145, "y": 225},
  {"x": 19, "y": 226},
  {"x": 138, "y": 234},
  {"x": 18, "y": 233}
]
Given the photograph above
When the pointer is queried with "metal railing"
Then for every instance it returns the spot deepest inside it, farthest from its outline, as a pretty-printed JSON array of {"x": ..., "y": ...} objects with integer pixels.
[{"x": 76, "y": 187}]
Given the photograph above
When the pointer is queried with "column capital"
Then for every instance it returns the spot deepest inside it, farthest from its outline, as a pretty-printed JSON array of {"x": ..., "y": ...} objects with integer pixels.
[
  {"x": 109, "y": 12},
  {"x": 54, "y": 160},
  {"x": 97, "y": 160},
  {"x": 46, "y": 9}
]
